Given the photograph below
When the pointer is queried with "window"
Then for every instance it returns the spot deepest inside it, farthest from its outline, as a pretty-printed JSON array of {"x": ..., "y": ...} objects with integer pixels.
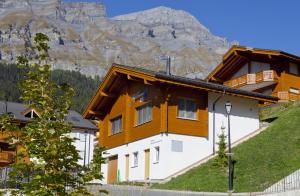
[
  {"x": 144, "y": 114},
  {"x": 187, "y": 109},
  {"x": 294, "y": 69},
  {"x": 135, "y": 159},
  {"x": 116, "y": 125},
  {"x": 176, "y": 146},
  {"x": 156, "y": 158},
  {"x": 294, "y": 90}
]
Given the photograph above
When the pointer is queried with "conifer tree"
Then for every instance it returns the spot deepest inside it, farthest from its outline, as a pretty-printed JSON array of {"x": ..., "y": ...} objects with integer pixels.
[
  {"x": 221, "y": 159},
  {"x": 53, "y": 166}
]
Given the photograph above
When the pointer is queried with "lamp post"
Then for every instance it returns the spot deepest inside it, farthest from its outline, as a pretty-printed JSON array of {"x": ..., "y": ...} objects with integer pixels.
[{"x": 228, "y": 107}]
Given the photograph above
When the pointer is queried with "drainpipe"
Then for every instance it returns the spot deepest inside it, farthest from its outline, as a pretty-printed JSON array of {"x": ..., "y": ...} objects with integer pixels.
[
  {"x": 167, "y": 112},
  {"x": 89, "y": 151},
  {"x": 84, "y": 158},
  {"x": 214, "y": 121}
]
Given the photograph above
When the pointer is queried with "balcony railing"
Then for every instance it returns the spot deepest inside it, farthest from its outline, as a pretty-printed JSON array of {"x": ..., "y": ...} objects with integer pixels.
[
  {"x": 254, "y": 78},
  {"x": 6, "y": 157},
  {"x": 286, "y": 96}
]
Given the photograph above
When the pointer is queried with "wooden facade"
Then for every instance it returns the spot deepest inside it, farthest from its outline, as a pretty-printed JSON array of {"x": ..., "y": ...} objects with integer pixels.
[
  {"x": 126, "y": 89},
  {"x": 270, "y": 72},
  {"x": 8, "y": 152},
  {"x": 164, "y": 106}
]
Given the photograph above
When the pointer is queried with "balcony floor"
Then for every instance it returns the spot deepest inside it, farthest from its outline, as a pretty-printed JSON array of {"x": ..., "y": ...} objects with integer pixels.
[{"x": 253, "y": 87}]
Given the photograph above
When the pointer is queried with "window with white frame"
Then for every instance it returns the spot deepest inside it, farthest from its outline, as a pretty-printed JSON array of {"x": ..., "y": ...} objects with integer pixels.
[
  {"x": 294, "y": 90},
  {"x": 135, "y": 159},
  {"x": 116, "y": 125},
  {"x": 144, "y": 114},
  {"x": 157, "y": 153},
  {"x": 187, "y": 109}
]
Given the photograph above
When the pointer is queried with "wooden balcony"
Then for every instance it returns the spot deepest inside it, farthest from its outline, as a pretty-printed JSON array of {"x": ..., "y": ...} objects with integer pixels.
[
  {"x": 252, "y": 79},
  {"x": 286, "y": 96},
  {"x": 6, "y": 157}
]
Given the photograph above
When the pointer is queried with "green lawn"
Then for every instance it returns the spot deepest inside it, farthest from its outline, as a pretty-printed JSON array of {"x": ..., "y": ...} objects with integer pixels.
[{"x": 260, "y": 161}]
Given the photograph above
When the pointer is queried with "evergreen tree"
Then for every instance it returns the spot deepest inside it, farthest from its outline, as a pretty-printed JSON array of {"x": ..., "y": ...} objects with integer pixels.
[
  {"x": 222, "y": 159},
  {"x": 85, "y": 87},
  {"x": 46, "y": 140}
]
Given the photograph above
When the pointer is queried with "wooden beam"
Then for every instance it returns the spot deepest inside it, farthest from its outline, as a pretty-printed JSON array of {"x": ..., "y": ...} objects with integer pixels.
[
  {"x": 103, "y": 94},
  {"x": 147, "y": 82},
  {"x": 95, "y": 113},
  {"x": 216, "y": 79},
  {"x": 229, "y": 65},
  {"x": 270, "y": 56}
]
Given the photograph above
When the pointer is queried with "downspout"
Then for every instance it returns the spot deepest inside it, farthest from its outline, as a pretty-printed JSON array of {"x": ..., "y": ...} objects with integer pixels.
[
  {"x": 167, "y": 113},
  {"x": 214, "y": 120},
  {"x": 89, "y": 150}
]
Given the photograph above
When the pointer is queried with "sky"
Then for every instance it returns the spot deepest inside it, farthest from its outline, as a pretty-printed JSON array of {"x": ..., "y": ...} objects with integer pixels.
[{"x": 269, "y": 24}]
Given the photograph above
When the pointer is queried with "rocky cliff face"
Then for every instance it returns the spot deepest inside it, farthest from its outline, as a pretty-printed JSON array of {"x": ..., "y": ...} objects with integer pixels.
[{"x": 84, "y": 39}]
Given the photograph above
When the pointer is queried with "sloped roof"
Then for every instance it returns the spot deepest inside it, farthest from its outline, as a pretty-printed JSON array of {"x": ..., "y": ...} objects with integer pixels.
[
  {"x": 161, "y": 77},
  {"x": 239, "y": 51},
  {"x": 17, "y": 110}
]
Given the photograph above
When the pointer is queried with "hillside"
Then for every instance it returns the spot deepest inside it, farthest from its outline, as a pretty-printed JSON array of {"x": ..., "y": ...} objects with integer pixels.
[
  {"x": 84, "y": 39},
  {"x": 260, "y": 161},
  {"x": 84, "y": 86}
]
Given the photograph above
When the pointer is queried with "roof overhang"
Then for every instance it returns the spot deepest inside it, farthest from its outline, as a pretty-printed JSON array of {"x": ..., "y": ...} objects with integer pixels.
[
  {"x": 148, "y": 77},
  {"x": 238, "y": 54}
]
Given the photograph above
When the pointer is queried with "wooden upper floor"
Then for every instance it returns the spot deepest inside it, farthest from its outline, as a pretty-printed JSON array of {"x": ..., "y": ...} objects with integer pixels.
[
  {"x": 132, "y": 104},
  {"x": 266, "y": 71}
]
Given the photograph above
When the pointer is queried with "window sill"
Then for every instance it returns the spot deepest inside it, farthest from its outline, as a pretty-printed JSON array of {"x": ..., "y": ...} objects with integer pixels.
[
  {"x": 191, "y": 119},
  {"x": 156, "y": 162},
  {"x": 142, "y": 123},
  {"x": 115, "y": 134},
  {"x": 135, "y": 166}
]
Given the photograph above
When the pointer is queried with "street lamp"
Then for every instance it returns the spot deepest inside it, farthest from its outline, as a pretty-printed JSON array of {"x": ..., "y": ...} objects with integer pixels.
[{"x": 228, "y": 107}]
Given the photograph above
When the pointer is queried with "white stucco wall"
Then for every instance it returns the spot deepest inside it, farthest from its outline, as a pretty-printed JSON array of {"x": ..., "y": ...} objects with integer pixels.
[
  {"x": 244, "y": 120},
  {"x": 84, "y": 144},
  {"x": 244, "y": 117}
]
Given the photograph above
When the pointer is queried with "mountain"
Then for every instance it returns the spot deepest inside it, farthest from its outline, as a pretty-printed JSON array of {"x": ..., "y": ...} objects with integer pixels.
[{"x": 84, "y": 39}]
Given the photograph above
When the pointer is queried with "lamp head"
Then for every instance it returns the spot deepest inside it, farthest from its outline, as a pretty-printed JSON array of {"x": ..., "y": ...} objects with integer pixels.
[{"x": 228, "y": 107}]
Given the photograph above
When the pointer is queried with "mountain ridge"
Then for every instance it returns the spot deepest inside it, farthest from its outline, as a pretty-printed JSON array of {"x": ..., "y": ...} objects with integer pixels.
[{"x": 84, "y": 39}]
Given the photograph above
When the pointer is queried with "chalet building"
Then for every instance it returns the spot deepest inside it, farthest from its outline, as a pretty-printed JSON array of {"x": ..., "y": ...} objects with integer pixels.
[
  {"x": 83, "y": 130},
  {"x": 270, "y": 72},
  {"x": 154, "y": 124}
]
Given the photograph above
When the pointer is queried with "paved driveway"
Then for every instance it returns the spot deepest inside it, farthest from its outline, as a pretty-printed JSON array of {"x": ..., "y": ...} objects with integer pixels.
[{"x": 115, "y": 190}]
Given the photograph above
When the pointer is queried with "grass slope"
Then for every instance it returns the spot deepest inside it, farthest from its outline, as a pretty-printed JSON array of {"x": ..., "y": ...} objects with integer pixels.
[{"x": 260, "y": 161}]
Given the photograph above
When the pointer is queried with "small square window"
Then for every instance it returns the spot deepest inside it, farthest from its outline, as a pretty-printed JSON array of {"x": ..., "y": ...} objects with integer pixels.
[
  {"x": 187, "y": 109},
  {"x": 177, "y": 146}
]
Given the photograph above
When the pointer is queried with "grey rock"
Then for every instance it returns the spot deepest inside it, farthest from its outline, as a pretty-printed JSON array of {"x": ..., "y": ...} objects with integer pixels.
[{"x": 83, "y": 38}]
